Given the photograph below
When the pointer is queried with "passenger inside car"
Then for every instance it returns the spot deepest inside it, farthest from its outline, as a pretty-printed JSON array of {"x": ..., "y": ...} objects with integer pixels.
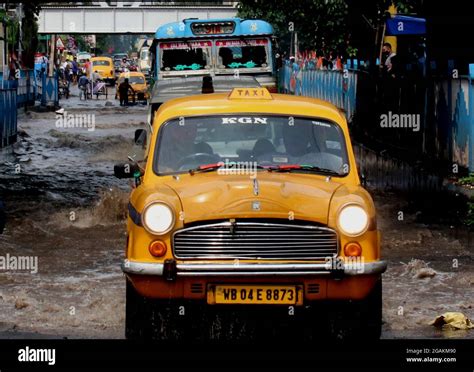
[{"x": 180, "y": 145}]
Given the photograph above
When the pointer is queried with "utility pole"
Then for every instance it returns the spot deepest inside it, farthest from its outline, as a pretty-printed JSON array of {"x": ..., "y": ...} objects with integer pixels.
[
  {"x": 3, "y": 42},
  {"x": 52, "y": 57},
  {"x": 19, "y": 12}
]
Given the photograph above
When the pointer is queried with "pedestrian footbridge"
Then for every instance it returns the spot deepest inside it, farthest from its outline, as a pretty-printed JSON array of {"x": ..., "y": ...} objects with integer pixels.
[{"x": 133, "y": 17}]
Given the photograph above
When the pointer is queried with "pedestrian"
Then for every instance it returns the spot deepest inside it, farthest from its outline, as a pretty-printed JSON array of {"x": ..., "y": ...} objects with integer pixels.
[
  {"x": 75, "y": 70},
  {"x": 95, "y": 76},
  {"x": 87, "y": 66},
  {"x": 123, "y": 89},
  {"x": 83, "y": 85},
  {"x": 67, "y": 72},
  {"x": 390, "y": 88},
  {"x": 44, "y": 64},
  {"x": 389, "y": 61},
  {"x": 124, "y": 65},
  {"x": 14, "y": 67}
]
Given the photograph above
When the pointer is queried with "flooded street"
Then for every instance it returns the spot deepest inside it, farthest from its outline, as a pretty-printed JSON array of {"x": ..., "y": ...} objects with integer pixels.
[{"x": 66, "y": 207}]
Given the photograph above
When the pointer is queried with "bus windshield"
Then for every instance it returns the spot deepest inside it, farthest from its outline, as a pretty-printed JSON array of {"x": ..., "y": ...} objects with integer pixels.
[
  {"x": 243, "y": 53},
  {"x": 180, "y": 56}
]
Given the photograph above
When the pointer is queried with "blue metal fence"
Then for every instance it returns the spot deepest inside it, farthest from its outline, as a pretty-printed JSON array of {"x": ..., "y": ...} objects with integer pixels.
[
  {"x": 446, "y": 107},
  {"x": 337, "y": 87},
  {"x": 47, "y": 90},
  {"x": 24, "y": 85},
  {"x": 458, "y": 122},
  {"x": 8, "y": 116}
]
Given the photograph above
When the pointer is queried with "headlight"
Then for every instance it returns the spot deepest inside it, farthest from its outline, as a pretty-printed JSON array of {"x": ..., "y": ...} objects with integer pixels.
[
  {"x": 158, "y": 218},
  {"x": 353, "y": 220}
]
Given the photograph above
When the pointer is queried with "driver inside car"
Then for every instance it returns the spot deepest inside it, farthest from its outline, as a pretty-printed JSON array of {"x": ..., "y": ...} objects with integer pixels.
[
  {"x": 303, "y": 148},
  {"x": 178, "y": 144}
]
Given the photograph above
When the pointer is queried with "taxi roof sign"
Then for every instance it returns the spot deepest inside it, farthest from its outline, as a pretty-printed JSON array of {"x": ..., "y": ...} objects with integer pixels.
[{"x": 250, "y": 93}]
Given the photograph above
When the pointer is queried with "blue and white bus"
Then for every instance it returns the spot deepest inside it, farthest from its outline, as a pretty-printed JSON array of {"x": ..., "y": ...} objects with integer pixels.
[{"x": 215, "y": 47}]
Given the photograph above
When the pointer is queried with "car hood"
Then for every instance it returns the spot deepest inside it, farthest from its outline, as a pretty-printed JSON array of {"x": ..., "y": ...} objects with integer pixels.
[{"x": 209, "y": 196}]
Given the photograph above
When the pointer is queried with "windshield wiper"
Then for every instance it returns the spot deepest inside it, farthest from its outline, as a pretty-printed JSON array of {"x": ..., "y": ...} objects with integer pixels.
[
  {"x": 303, "y": 167},
  {"x": 206, "y": 168},
  {"x": 215, "y": 166}
]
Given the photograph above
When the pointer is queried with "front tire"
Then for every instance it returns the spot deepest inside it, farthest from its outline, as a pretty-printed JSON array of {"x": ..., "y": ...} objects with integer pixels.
[
  {"x": 152, "y": 319},
  {"x": 351, "y": 320}
]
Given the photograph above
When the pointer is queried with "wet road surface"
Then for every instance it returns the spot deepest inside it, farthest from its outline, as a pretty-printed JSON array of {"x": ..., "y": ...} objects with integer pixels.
[{"x": 66, "y": 208}]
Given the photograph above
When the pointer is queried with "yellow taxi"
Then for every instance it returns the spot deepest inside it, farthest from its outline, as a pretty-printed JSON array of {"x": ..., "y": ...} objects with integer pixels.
[
  {"x": 104, "y": 66},
  {"x": 138, "y": 83},
  {"x": 250, "y": 199}
]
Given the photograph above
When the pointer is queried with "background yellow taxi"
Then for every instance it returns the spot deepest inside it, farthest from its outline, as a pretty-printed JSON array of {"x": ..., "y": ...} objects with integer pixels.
[
  {"x": 104, "y": 66},
  {"x": 138, "y": 83}
]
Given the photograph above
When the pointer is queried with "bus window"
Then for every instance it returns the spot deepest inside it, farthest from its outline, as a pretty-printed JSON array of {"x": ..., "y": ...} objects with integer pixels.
[
  {"x": 145, "y": 54},
  {"x": 185, "y": 56},
  {"x": 249, "y": 53}
]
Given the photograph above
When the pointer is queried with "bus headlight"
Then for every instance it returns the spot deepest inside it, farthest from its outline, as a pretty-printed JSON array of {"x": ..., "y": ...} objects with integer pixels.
[
  {"x": 158, "y": 218},
  {"x": 353, "y": 220}
]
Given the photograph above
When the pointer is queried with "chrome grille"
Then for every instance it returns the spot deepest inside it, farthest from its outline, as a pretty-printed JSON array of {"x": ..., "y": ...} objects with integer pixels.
[{"x": 255, "y": 240}]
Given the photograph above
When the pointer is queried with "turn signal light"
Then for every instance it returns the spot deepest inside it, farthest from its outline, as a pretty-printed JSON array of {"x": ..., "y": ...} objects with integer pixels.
[
  {"x": 352, "y": 250},
  {"x": 157, "y": 248}
]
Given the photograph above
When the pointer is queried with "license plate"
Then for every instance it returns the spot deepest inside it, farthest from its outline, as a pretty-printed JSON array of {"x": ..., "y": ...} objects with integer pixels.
[{"x": 255, "y": 294}]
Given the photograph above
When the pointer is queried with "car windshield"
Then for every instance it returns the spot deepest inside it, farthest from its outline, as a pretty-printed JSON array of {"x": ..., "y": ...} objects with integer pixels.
[
  {"x": 185, "y": 56},
  {"x": 267, "y": 141},
  {"x": 249, "y": 53},
  {"x": 133, "y": 80},
  {"x": 101, "y": 63}
]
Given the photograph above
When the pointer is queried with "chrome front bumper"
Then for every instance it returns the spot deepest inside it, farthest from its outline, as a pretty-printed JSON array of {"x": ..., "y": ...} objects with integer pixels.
[{"x": 253, "y": 269}]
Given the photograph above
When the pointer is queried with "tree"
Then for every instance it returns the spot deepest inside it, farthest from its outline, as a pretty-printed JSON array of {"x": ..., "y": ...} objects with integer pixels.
[
  {"x": 344, "y": 26},
  {"x": 319, "y": 23},
  {"x": 29, "y": 39}
]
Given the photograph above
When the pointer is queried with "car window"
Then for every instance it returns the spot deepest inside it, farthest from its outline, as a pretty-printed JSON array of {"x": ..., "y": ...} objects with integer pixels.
[
  {"x": 133, "y": 80},
  {"x": 101, "y": 63},
  {"x": 266, "y": 140}
]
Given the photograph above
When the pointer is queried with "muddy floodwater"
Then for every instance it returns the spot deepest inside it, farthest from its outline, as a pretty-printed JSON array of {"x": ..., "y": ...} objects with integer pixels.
[{"x": 66, "y": 208}]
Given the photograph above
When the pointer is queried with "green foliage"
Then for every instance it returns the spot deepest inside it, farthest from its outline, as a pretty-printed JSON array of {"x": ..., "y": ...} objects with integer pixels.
[
  {"x": 470, "y": 214},
  {"x": 319, "y": 23},
  {"x": 469, "y": 180},
  {"x": 326, "y": 25}
]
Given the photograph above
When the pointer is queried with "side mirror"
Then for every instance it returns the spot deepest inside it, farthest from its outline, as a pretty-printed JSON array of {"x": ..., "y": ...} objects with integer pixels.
[
  {"x": 140, "y": 137},
  {"x": 126, "y": 170}
]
